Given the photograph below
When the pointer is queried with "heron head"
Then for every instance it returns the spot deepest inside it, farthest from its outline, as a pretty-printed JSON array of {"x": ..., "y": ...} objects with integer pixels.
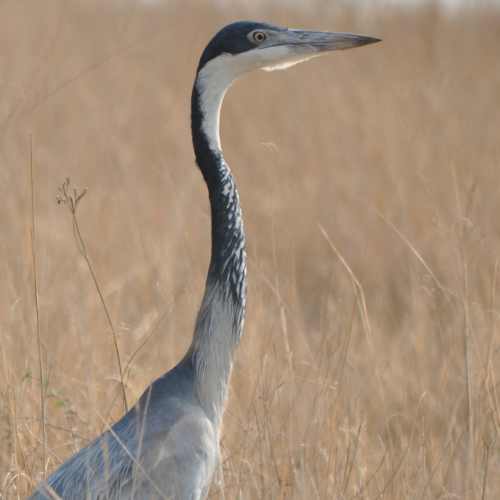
[{"x": 243, "y": 46}]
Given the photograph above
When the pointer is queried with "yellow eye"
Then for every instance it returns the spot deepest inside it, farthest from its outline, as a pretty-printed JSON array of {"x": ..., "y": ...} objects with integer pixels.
[{"x": 258, "y": 36}]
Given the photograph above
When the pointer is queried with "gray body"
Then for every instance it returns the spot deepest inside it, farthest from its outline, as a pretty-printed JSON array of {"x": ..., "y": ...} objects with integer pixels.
[
  {"x": 132, "y": 459},
  {"x": 167, "y": 445}
]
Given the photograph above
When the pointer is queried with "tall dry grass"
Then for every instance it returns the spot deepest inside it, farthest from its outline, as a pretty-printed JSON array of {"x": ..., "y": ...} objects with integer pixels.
[{"x": 370, "y": 365}]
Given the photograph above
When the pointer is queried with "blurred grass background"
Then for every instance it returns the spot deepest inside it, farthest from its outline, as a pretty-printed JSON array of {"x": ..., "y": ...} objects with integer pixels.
[{"x": 370, "y": 365}]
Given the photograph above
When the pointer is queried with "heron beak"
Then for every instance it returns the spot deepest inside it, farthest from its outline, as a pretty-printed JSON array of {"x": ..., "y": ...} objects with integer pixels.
[
  {"x": 324, "y": 41},
  {"x": 292, "y": 46}
]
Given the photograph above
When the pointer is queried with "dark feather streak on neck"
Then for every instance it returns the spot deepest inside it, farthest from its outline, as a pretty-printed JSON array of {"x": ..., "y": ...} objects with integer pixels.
[{"x": 228, "y": 259}]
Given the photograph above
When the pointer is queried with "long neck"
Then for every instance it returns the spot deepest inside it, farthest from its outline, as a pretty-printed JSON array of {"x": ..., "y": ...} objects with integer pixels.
[{"x": 220, "y": 320}]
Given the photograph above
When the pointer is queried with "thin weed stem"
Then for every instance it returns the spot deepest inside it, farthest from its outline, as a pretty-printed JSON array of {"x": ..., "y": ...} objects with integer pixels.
[
  {"x": 71, "y": 198},
  {"x": 37, "y": 312}
]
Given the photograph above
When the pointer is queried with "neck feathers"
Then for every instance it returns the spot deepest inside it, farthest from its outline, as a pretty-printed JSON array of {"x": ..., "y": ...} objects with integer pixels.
[{"x": 220, "y": 320}]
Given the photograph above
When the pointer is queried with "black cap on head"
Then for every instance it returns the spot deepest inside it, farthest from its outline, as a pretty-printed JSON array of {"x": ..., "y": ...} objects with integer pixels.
[{"x": 232, "y": 39}]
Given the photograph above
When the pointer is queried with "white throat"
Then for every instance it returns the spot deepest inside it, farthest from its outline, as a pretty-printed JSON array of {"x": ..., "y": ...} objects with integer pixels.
[{"x": 212, "y": 83}]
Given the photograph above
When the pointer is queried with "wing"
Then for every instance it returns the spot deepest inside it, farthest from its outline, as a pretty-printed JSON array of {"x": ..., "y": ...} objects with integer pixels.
[
  {"x": 165, "y": 447},
  {"x": 99, "y": 471}
]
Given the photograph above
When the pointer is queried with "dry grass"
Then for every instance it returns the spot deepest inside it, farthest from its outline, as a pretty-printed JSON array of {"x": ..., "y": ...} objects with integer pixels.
[{"x": 370, "y": 366}]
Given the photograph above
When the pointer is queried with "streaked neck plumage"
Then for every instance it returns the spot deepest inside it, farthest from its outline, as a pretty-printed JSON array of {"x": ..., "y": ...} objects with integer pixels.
[{"x": 220, "y": 320}]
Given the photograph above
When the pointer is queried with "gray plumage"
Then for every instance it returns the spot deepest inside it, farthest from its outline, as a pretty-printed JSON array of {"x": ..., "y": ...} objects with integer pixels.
[{"x": 167, "y": 445}]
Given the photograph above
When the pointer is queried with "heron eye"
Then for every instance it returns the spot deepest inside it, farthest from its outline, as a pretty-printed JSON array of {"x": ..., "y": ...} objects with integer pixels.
[{"x": 258, "y": 36}]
